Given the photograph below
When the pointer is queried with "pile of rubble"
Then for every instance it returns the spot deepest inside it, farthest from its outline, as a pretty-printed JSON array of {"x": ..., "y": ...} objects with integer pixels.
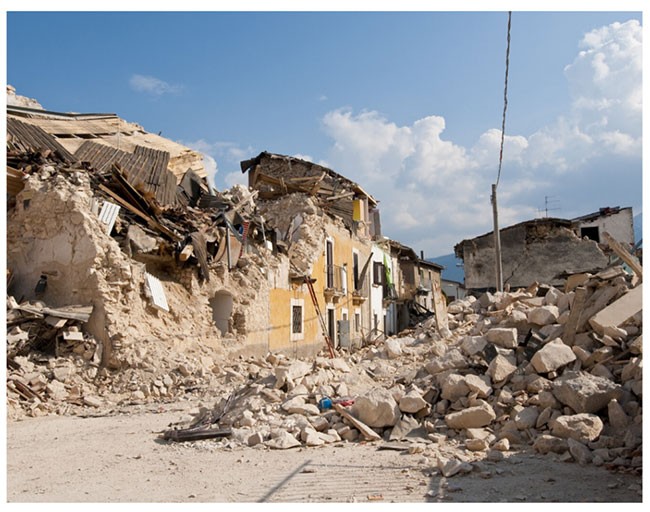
[{"x": 504, "y": 378}]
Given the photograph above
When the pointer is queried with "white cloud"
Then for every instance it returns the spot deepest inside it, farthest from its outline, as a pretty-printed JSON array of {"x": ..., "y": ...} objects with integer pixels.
[
  {"x": 152, "y": 85},
  {"x": 235, "y": 178},
  {"x": 605, "y": 79},
  {"x": 434, "y": 193},
  {"x": 228, "y": 155},
  {"x": 209, "y": 163},
  {"x": 307, "y": 158}
]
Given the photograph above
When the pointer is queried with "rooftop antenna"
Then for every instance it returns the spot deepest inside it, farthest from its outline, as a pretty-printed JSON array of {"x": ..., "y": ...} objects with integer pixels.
[
  {"x": 548, "y": 200},
  {"x": 493, "y": 197}
]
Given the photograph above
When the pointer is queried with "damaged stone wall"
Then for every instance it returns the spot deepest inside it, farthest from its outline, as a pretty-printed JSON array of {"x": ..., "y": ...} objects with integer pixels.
[
  {"x": 53, "y": 232},
  {"x": 298, "y": 222},
  {"x": 538, "y": 251}
]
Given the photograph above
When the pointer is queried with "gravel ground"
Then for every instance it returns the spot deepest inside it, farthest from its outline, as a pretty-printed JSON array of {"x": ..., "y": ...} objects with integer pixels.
[{"x": 120, "y": 459}]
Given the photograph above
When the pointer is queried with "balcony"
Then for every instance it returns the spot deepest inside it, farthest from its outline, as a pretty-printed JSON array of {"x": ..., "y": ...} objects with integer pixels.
[
  {"x": 336, "y": 280},
  {"x": 360, "y": 294}
]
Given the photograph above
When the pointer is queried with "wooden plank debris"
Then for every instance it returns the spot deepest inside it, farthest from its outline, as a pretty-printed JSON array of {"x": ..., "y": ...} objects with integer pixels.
[
  {"x": 628, "y": 258},
  {"x": 367, "y": 433},
  {"x": 81, "y": 313},
  {"x": 577, "y": 307},
  {"x": 154, "y": 224},
  {"x": 439, "y": 303}
]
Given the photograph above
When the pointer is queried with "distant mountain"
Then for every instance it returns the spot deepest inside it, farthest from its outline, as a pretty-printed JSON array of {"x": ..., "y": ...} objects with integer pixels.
[{"x": 453, "y": 270}]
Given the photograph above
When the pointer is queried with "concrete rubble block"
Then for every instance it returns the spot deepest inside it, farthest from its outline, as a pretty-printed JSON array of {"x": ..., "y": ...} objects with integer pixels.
[
  {"x": 92, "y": 401},
  {"x": 565, "y": 301},
  {"x": 552, "y": 296},
  {"x": 616, "y": 333},
  {"x": 377, "y": 408},
  {"x": 502, "y": 445},
  {"x": 618, "y": 419},
  {"x": 633, "y": 370},
  {"x": 452, "y": 360},
  {"x": 505, "y": 337},
  {"x": 412, "y": 402},
  {"x": 255, "y": 438},
  {"x": 453, "y": 386},
  {"x": 297, "y": 405},
  {"x": 547, "y": 399},
  {"x": 500, "y": 369},
  {"x": 63, "y": 372},
  {"x": 479, "y": 384},
  {"x": 550, "y": 444},
  {"x": 537, "y": 383},
  {"x": 517, "y": 317},
  {"x": 311, "y": 437},
  {"x": 526, "y": 418},
  {"x": 472, "y": 345},
  {"x": 347, "y": 433},
  {"x": 583, "y": 427},
  {"x": 247, "y": 419},
  {"x": 404, "y": 427},
  {"x": 600, "y": 370},
  {"x": 552, "y": 356},
  {"x": 476, "y": 445},
  {"x": 619, "y": 311},
  {"x": 480, "y": 433},
  {"x": 545, "y": 416},
  {"x": 451, "y": 467},
  {"x": 585, "y": 393},
  {"x": 581, "y": 453},
  {"x": 320, "y": 423},
  {"x": 291, "y": 373},
  {"x": 486, "y": 300},
  {"x": 392, "y": 348},
  {"x": 56, "y": 390},
  {"x": 582, "y": 354},
  {"x": 544, "y": 315},
  {"x": 340, "y": 365},
  {"x": 472, "y": 417},
  {"x": 282, "y": 440},
  {"x": 636, "y": 346}
]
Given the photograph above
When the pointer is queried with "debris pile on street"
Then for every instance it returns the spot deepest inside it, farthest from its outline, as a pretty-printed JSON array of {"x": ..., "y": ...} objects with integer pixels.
[{"x": 504, "y": 378}]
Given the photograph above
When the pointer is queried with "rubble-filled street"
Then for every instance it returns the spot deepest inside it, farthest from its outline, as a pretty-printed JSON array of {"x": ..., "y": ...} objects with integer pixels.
[
  {"x": 479, "y": 413},
  {"x": 169, "y": 342}
]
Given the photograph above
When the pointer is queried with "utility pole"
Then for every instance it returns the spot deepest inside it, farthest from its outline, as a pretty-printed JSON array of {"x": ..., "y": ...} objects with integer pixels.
[{"x": 498, "y": 266}]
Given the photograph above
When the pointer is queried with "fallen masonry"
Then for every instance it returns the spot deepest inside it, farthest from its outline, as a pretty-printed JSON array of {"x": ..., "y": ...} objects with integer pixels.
[
  {"x": 585, "y": 407},
  {"x": 125, "y": 291}
]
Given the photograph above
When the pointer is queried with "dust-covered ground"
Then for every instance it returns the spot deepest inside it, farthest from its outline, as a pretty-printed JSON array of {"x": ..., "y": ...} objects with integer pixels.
[{"x": 121, "y": 459}]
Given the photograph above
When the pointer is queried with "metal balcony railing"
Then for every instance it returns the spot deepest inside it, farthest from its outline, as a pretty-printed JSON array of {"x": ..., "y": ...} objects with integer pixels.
[{"x": 336, "y": 279}]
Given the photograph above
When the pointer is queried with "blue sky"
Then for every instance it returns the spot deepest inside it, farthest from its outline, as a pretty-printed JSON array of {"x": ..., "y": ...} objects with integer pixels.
[{"x": 408, "y": 104}]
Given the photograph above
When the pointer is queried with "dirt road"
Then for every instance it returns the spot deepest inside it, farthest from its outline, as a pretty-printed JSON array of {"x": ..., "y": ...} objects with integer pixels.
[{"x": 119, "y": 458}]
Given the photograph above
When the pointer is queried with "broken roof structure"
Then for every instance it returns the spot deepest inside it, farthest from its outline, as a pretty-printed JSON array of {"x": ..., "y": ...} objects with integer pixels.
[
  {"x": 71, "y": 131},
  {"x": 274, "y": 175}
]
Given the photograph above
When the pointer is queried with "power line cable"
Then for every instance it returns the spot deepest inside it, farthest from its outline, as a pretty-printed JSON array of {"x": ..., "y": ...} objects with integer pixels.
[{"x": 505, "y": 99}]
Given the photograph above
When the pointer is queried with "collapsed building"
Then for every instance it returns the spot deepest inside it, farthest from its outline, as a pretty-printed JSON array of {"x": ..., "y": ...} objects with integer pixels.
[
  {"x": 125, "y": 286},
  {"x": 546, "y": 250},
  {"x": 116, "y": 241}
]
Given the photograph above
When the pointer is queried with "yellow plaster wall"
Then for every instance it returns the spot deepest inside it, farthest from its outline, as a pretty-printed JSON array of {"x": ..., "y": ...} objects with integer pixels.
[{"x": 280, "y": 300}]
